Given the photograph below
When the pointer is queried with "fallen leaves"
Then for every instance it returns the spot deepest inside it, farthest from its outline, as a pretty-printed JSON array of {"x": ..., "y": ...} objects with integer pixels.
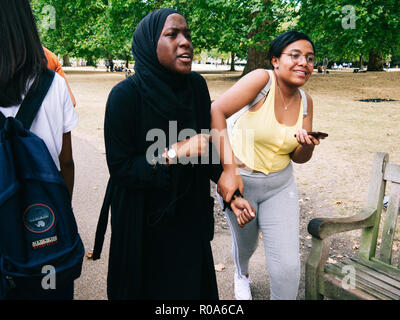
[
  {"x": 219, "y": 267},
  {"x": 301, "y": 201}
]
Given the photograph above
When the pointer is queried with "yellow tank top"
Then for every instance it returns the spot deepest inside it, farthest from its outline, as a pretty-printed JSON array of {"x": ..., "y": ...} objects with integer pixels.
[{"x": 260, "y": 141}]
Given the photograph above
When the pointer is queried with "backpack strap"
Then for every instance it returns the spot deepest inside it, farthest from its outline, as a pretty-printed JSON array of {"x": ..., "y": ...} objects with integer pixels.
[
  {"x": 264, "y": 91},
  {"x": 103, "y": 222},
  {"x": 304, "y": 100},
  {"x": 2, "y": 120},
  {"x": 34, "y": 98}
]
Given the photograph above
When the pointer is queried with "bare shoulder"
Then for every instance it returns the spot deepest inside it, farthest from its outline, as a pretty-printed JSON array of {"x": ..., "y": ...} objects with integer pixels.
[
  {"x": 242, "y": 92},
  {"x": 259, "y": 73},
  {"x": 252, "y": 83},
  {"x": 258, "y": 77}
]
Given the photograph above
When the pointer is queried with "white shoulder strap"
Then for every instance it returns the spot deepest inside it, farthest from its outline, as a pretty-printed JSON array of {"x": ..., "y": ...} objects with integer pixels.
[
  {"x": 264, "y": 91},
  {"x": 304, "y": 99}
]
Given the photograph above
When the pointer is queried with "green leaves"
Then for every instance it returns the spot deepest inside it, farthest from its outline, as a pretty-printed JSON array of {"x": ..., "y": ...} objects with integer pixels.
[
  {"x": 375, "y": 24},
  {"x": 104, "y": 28}
]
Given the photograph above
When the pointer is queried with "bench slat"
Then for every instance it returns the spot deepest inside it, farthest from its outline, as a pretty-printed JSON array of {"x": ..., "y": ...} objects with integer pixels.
[
  {"x": 379, "y": 266},
  {"x": 395, "y": 283},
  {"x": 361, "y": 291},
  {"x": 392, "y": 172},
  {"x": 366, "y": 282},
  {"x": 389, "y": 227},
  {"x": 332, "y": 288},
  {"x": 372, "y": 285}
]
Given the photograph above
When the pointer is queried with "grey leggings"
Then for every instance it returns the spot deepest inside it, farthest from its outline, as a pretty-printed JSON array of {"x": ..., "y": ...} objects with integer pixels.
[{"x": 275, "y": 199}]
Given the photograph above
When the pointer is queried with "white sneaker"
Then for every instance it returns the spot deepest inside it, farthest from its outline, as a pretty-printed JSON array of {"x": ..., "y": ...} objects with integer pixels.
[{"x": 242, "y": 288}]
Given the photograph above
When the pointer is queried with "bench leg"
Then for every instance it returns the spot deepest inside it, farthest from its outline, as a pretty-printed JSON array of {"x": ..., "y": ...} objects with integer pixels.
[{"x": 314, "y": 266}]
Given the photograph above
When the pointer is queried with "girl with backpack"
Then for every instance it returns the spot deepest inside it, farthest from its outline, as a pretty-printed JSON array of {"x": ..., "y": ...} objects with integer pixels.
[{"x": 22, "y": 62}]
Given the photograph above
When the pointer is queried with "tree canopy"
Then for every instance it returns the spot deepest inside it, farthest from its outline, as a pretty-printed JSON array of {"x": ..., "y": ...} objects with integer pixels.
[
  {"x": 341, "y": 29},
  {"x": 351, "y": 28}
]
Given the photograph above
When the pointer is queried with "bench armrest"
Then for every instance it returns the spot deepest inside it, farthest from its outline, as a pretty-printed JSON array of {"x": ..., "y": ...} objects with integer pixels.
[{"x": 322, "y": 228}]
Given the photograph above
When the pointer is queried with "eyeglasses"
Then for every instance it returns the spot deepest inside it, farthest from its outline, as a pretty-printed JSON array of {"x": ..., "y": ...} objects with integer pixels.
[{"x": 310, "y": 59}]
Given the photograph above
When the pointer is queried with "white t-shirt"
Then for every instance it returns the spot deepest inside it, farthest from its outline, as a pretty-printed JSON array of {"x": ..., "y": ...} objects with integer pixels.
[{"x": 56, "y": 116}]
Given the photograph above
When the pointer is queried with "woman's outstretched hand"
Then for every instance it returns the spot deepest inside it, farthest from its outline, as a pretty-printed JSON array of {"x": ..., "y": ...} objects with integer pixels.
[{"x": 243, "y": 211}]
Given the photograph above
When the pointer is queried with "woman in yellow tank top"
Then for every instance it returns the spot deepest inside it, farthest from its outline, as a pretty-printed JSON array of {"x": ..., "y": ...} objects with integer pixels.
[{"x": 257, "y": 160}]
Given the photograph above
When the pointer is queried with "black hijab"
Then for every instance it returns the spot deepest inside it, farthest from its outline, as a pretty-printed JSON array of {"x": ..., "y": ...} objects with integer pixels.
[{"x": 169, "y": 95}]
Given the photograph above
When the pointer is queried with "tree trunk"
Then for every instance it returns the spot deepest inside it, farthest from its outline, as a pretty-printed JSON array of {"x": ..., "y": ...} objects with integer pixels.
[
  {"x": 66, "y": 62},
  {"x": 256, "y": 59},
  {"x": 375, "y": 61},
  {"x": 232, "y": 61},
  {"x": 91, "y": 61}
]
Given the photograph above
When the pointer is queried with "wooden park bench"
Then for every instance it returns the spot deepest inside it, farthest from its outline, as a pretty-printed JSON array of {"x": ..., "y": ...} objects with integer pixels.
[{"x": 371, "y": 275}]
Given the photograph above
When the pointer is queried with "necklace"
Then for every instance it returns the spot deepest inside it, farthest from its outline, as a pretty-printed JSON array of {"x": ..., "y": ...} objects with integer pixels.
[{"x": 285, "y": 106}]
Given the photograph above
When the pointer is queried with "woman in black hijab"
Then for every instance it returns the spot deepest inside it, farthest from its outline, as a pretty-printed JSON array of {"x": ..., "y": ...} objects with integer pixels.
[{"x": 161, "y": 209}]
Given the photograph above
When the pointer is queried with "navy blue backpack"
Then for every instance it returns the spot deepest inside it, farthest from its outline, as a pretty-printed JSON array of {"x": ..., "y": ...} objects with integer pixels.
[{"x": 37, "y": 224}]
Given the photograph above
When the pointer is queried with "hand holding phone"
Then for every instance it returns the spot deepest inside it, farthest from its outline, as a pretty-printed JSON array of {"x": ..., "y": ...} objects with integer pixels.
[{"x": 316, "y": 134}]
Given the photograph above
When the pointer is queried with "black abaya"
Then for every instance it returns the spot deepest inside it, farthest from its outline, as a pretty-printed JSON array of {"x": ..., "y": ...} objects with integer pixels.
[
  {"x": 162, "y": 217},
  {"x": 172, "y": 258}
]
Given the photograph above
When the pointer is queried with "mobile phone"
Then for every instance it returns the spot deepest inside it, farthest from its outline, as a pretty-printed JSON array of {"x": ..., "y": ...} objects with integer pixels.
[{"x": 317, "y": 134}]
